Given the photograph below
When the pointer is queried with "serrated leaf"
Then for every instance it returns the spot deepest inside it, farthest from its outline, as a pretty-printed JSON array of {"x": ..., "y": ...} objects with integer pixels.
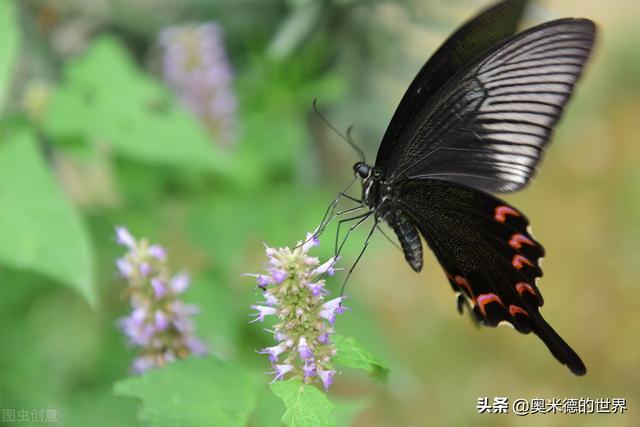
[
  {"x": 121, "y": 105},
  {"x": 9, "y": 41},
  {"x": 351, "y": 354},
  {"x": 39, "y": 228},
  {"x": 196, "y": 392},
  {"x": 306, "y": 405}
]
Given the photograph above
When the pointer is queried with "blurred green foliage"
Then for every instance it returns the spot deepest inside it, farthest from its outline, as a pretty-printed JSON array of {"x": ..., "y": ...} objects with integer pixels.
[
  {"x": 90, "y": 137},
  {"x": 46, "y": 234},
  {"x": 193, "y": 401}
]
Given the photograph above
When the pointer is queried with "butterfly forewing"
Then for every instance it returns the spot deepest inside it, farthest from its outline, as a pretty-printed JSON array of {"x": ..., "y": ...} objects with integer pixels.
[
  {"x": 479, "y": 34},
  {"x": 488, "y": 126}
]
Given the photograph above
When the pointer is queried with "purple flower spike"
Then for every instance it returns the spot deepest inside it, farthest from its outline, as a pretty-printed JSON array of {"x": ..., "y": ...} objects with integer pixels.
[
  {"x": 296, "y": 296},
  {"x": 197, "y": 68},
  {"x": 160, "y": 324}
]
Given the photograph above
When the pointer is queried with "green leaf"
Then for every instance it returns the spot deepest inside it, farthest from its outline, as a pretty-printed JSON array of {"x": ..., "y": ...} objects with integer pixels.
[
  {"x": 128, "y": 109},
  {"x": 196, "y": 392},
  {"x": 39, "y": 228},
  {"x": 9, "y": 41},
  {"x": 351, "y": 354},
  {"x": 306, "y": 405}
]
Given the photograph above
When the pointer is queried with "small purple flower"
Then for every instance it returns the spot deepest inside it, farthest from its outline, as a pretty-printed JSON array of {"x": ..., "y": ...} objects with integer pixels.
[
  {"x": 264, "y": 280},
  {"x": 162, "y": 323},
  {"x": 274, "y": 351},
  {"x": 303, "y": 349},
  {"x": 326, "y": 377},
  {"x": 124, "y": 267},
  {"x": 142, "y": 364},
  {"x": 278, "y": 275},
  {"x": 144, "y": 268},
  {"x": 309, "y": 370},
  {"x": 124, "y": 238},
  {"x": 316, "y": 288},
  {"x": 157, "y": 252},
  {"x": 262, "y": 312},
  {"x": 310, "y": 242},
  {"x": 324, "y": 338},
  {"x": 159, "y": 288},
  {"x": 331, "y": 308},
  {"x": 196, "y": 346},
  {"x": 180, "y": 282},
  {"x": 270, "y": 299},
  {"x": 281, "y": 371},
  {"x": 327, "y": 267}
]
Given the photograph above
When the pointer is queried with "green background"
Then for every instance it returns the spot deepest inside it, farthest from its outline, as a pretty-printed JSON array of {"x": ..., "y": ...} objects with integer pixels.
[{"x": 90, "y": 137}]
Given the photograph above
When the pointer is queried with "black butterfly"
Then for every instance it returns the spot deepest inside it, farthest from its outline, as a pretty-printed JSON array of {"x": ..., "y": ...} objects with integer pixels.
[{"x": 476, "y": 120}]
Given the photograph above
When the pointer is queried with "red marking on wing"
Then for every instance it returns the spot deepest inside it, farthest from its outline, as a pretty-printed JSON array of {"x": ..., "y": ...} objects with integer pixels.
[
  {"x": 462, "y": 282},
  {"x": 485, "y": 299},
  {"x": 503, "y": 211},
  {"x": 518, "y": 239},
  {"x": 514, "y": 309},
  {"x": 519, "y": 261},
  {"x": 523, "y": 287}
]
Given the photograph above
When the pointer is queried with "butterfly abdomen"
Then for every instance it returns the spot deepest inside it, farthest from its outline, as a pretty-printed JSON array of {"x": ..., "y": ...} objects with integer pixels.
[{"x": 409, "y": 239}]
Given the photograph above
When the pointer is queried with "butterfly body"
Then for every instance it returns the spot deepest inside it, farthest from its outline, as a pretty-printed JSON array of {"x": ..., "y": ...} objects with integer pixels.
[
  {"x": 381, "y": 198},
  {"x": 476, "y": 120}
]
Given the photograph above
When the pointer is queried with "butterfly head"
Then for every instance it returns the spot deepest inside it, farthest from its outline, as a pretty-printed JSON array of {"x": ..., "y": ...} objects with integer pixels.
[{"x": 362, "y": 169}]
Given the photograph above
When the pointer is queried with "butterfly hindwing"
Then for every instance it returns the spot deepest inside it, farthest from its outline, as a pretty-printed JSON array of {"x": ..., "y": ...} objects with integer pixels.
[
  {"x": 488, "y": 254},
  {"x": 489, "y": 125},
  {"x": 473, "y": 38}
]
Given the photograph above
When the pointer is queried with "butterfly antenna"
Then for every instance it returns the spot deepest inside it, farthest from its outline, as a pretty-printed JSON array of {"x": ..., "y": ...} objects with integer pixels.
[{"x": 346, "y": 138}]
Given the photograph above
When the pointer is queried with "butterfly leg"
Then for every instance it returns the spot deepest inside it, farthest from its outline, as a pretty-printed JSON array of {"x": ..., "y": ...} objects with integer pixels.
[
  {"x": 362, "y": 218},
  {"x": 330, "y": 211},
  {"x": 337, "y": 214},
  {"x": 364, "y": 247}
]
